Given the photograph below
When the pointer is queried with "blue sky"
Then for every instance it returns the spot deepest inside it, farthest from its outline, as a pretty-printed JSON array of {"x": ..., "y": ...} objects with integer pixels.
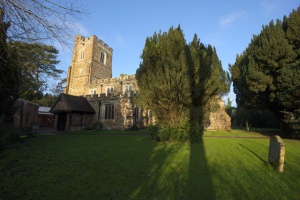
[{"x": 125, "y": 25}]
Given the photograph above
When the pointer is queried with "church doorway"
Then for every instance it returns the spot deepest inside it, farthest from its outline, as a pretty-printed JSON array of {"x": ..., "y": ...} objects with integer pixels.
[{"x": 61, "y": 121}]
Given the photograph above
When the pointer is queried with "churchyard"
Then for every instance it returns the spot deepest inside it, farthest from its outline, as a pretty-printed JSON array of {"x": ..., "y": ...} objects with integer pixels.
[{"x": 129, "y": 165}]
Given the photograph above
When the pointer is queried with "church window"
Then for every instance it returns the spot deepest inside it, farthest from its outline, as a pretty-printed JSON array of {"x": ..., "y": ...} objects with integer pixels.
[
  {"x": 102, "y": 57},
  {"x": 80, "y": 72},
  {"x": 93, "y": 91},
  {"x": 109, "y": 90},
  {"x": 109, "y": 111},
  {"x": 136, "y": 112},
  {"x": 82, "y": 54},
  {"x": 127, "y": 88}
]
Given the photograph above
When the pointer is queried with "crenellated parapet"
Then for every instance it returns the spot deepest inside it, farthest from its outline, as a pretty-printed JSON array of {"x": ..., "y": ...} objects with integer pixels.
[
  {"x": 115, "y": 80},
  {"x": 82, "y": 40}
]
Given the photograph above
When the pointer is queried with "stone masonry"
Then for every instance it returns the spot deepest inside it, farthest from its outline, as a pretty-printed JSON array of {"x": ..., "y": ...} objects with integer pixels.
[{"x": 90, "y": 75}]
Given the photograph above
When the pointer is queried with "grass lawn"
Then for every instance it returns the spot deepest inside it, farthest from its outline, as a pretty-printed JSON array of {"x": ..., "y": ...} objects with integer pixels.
[{"x": 87, "y": 165}]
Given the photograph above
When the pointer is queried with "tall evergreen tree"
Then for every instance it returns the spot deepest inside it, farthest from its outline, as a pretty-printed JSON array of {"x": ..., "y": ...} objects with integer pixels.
[
  {"x": 179, "y": 81},
  {"x": 266, "y": 74},
  {"x": 37, "y": 63},
  {"x": 292, "y": 29},
  {"x": 207, "y": 78},
  {"x": 162, "y": 76}
]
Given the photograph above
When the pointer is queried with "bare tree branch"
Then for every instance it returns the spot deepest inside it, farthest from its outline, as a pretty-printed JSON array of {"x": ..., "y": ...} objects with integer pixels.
[{"x": 42, "y": 21}]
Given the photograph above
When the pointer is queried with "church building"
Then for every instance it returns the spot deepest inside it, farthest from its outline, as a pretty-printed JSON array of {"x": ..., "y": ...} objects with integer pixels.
[{"x": 90, "y": 76}]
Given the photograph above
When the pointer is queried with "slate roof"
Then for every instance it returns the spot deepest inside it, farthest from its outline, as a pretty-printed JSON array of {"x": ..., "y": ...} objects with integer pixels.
[{"x": 75, "y": 104}]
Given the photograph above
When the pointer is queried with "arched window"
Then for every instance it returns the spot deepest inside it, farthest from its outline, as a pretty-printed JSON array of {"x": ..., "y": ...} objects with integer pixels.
[
  {"x": 109, "y": 90},
  {"x": 103, "y": 57},
  {"x": 82, "y": 54}
]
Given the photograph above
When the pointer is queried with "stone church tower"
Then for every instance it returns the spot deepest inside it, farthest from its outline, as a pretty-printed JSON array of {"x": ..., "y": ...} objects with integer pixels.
[{"x": 91, "y": 61}]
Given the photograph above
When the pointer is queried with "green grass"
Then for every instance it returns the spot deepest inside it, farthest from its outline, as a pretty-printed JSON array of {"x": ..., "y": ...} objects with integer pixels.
[
  {"x": 110, "y": 132},
  {"x": 233, "y": 133},
  {"x": 92, "y": 166}
]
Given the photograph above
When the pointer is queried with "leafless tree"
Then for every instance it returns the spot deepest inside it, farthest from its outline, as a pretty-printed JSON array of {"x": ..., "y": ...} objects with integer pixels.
[{"x": 42, "y": 20}]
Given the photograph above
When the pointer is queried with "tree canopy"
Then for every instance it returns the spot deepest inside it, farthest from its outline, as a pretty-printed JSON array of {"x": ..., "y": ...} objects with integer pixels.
[
  {"x": 37, "y": 63},
  {"x": 179, "y": 81},
  {"x": 267, "y": 74}
]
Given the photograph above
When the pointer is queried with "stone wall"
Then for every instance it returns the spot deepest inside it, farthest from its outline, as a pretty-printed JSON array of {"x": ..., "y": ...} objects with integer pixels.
[
  {"x": 219, "y": 120},
  {"x": 123, "y": 110}
]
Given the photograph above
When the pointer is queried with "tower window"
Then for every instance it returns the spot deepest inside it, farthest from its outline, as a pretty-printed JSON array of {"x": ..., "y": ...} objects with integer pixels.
[
  {"x": 103, "y": 58},
  {"x": 80, "y": 72},
  {"x": 82, "y": 54}
]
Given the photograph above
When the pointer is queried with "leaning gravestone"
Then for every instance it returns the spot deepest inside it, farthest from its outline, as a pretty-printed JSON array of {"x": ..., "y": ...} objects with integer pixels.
[{"x": 276, "y": 152}]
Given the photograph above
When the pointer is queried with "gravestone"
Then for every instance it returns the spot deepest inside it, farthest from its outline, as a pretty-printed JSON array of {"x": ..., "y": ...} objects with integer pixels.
[{"x": 276, "y": 152}]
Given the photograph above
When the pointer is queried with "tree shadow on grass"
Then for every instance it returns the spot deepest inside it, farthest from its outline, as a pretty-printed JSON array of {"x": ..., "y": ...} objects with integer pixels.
[
  {"x": 175, "y": 171},
  {"x": 165, "y": 175},
  {"x": 199, "y": 184},
  {"x": 260, "y": 158}
]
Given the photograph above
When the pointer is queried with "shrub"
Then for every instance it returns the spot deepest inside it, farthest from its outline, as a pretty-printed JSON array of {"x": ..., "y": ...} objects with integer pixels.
[{"x": 184, "y": 131}]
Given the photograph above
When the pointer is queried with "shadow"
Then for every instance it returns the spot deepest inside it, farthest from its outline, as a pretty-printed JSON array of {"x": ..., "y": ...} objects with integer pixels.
[
  {"x": 166, "y": 174},
  {"x": 199, "y": 174},
  {"x": 260, "y": 158},
  {"x": 175, "y": 171}
]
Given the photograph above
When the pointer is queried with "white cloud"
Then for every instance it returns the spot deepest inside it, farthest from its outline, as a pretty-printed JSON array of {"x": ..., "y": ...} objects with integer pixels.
[{"x": 229, "y": 19}]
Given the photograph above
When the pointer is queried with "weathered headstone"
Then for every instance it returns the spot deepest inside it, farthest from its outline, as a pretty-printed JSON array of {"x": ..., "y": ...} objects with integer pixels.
[{"x": 276, "y": 152}]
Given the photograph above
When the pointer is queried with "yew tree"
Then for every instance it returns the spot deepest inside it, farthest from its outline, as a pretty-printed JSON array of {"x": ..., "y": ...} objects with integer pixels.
[
  {"x": 267, "y": 74},
  {"x": 179, "y": 81}
]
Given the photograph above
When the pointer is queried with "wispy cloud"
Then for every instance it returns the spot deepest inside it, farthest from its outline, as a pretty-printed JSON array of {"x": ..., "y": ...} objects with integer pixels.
[
  {"x": 81, "y": 29},
  {"x": 229, "y": 19},
  {"x": 268, "y": 6},
  {"x": 122, "y": 41}
]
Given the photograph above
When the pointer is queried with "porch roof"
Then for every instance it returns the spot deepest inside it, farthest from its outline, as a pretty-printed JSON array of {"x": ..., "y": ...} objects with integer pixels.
[{"x": 72, "y": 104}]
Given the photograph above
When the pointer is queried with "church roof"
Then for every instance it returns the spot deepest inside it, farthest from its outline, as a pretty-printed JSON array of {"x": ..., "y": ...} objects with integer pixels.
[{"x": 70, "y": 103}]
